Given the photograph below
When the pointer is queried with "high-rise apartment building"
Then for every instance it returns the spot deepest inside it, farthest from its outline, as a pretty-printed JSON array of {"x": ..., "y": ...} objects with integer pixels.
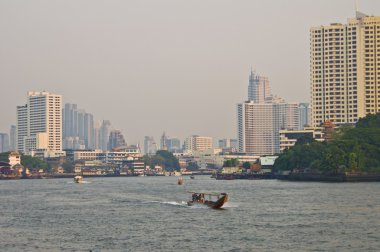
[
  {"x": 259, "y": 125},
  {"x": 258, "y": 88},
  {"x": 39, "y": 123},
  {"x": 345, "y": 70},
  {"x": 261, "y": 118},
  {"x": 198, "y": 143}
]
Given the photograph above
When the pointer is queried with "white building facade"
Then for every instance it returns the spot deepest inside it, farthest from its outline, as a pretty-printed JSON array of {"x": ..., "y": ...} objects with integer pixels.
[{"x": 39, "y": 123}]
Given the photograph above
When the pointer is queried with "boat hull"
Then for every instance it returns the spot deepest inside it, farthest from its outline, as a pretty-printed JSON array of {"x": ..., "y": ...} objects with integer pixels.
[{"x": 212, "y": 204}]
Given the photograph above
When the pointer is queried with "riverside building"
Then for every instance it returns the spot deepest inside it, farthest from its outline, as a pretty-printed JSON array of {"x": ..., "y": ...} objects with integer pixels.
[
  {"x": 39, "y": 124},
  {"x": 345, "y": 70}
]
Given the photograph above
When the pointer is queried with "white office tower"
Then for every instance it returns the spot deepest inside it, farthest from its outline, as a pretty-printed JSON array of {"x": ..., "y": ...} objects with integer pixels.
[
  {"x": 41, "y": 129},
  {"x": 259, "y": 125},
  {"x": 258, "y": 88},
  {"x": 344, "y": 70},
  {"x": 198, "y": 143}
]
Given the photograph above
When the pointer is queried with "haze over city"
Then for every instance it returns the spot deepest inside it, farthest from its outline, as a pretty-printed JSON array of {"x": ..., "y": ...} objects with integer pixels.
[{"x": 154, "y": 66}]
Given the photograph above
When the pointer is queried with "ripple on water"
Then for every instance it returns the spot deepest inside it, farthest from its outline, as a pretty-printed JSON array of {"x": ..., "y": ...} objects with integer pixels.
[{"x": 151, "y": 214}]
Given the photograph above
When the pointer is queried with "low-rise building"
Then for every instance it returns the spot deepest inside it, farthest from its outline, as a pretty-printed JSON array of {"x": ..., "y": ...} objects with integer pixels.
[{"x": 288, "y": 138}]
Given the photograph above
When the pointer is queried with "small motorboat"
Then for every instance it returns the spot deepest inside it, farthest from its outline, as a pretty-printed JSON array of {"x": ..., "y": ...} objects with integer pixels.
[
  {"x": 192, "y": 177},
  {"x": 215, "y": 200},
  {"x": 78, "y": 179},
  {"x": 180, "y": 181}
]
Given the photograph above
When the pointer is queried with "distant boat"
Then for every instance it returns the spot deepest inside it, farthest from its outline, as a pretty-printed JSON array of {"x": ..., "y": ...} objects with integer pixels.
[
  {"x": 200, "y": 199},
  {"x": 78, "y": 179},
  {"x": 192, "y": 177},
  {"x": 180, "y": 181}
]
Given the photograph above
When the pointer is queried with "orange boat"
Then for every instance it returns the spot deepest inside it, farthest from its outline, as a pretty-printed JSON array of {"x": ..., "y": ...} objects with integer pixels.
[{"x": 200, "y": 199}]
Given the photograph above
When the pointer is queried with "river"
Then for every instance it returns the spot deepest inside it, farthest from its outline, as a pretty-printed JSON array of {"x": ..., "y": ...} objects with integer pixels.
[{"x": 150, "y": 214}]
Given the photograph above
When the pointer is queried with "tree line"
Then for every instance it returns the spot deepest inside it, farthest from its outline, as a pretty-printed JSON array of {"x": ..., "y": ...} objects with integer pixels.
[{"x": 352, "y": 149}]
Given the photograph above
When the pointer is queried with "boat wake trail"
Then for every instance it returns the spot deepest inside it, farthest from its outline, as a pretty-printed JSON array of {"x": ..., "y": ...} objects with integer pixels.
[{"x": 173, "y": 203}]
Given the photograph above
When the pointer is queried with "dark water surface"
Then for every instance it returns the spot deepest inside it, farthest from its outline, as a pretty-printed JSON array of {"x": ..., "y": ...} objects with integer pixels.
[{"x": 150, "y": 214}]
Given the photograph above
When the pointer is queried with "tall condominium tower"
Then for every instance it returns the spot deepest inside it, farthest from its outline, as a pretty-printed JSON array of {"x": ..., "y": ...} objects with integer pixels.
[
  {"x": 259, "y": 125},
  {"x": 344, "y": 70},
  {"x": 39, "y": 122},
  {"x": 258, "y": 88}
]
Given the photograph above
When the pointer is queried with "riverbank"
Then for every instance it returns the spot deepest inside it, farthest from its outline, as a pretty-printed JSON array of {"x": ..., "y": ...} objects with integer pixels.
[{"x": 341, "y": 177}]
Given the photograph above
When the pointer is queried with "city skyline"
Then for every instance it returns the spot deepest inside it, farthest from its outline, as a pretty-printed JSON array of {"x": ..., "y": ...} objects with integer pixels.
[{"x": 131, "y": 64}]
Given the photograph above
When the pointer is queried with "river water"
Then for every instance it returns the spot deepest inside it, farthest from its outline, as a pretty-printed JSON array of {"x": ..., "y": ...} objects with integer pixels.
[{"x": 150, "y": 214}]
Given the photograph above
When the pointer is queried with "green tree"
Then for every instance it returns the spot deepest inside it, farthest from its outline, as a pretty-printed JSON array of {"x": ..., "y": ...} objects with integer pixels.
[
  {"x": 193, "y": 166},
  {"x": 163, "y": 158},
  {"x": 231, "y": 162},
  {"x": 247, "y": 165}
]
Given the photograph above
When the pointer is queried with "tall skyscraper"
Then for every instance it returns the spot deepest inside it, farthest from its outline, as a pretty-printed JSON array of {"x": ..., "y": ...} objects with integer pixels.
[
  {"x": 261, "y": 117},
  {"x": 258, "y": 88},
  {"x": 104, "y": 133},
  {"x": 39, "y": 122},
  {"x": 78, "y": 126},
  {"x": 4, "y": 142},
  {"x": 116, "y": 139},
  {"x": 13, "y": 138},
  {"x": 344, "y": 70},
  {"x": 89, "y": 131}
]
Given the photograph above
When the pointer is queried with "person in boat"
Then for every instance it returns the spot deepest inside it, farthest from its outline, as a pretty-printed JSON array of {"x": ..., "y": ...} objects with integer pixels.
[{"x": 194, "y": 196}]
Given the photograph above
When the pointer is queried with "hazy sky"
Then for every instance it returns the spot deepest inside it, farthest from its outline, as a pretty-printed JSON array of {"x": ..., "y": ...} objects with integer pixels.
[{"x": 155, "y": 65}]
